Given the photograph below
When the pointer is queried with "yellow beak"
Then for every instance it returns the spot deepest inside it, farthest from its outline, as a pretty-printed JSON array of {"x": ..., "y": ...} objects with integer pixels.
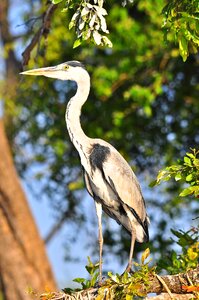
[{"x": 41, "y": 71}]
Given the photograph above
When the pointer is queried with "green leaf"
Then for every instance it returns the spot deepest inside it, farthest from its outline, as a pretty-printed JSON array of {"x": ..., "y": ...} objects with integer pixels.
[
  {"x": 148, "y": 110},
  {"x": 56, "y": 1},
  {"x": 67, "y": 290},
  {"x": 196, "y": 163},
  {"x": 79, "y": 280},
  {"x": 77, "y": 43},
  {"x": 106, "y": 41},
  {"x": 75, "y": 185},
  {"x": 153, "y": 183},
  {"x": 186, "y": 192},
  {"x": 190, "y": 155},
  {"x": 161, "y": 175},
  {"x": 189, "y": 177},
  {"x": 183, "y": 47},
  {"x": 125, "y": 277},
  {"x": 113, "y": 277},
  {"x": 187, "y": 161},
  {"x": 167, "y": 178},
  {"x": 178, "y": 177}
]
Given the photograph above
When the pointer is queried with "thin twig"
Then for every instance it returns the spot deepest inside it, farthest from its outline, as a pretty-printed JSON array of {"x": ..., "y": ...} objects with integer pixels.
[
  {"x": 42, "y": 31},
  {"x": 165, "y": 286}
]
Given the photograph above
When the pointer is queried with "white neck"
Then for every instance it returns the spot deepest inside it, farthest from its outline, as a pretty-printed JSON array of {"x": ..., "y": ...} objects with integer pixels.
[{"x": 72, "y": 116}]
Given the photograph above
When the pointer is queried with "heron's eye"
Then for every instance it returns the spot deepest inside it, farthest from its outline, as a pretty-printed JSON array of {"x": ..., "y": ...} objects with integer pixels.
[{"x": 66, "y": 67}]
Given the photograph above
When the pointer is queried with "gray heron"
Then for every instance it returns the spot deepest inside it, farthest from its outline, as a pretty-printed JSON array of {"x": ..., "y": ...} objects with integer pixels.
[{"x": 108, "y": 177}]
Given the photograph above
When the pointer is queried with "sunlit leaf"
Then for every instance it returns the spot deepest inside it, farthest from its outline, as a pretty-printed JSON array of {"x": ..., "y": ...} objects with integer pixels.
[
  {"x": 97, "y": 37},
  {"x": 178, "y": 177},
  {"x": 186, "y": 192},
  {"x": 79, "y": 280},
  {"x": 187, "y": 160},
  {"x": 145, "y": 255},
  {"x": 77, "y": 43},
  {"x": 189, "y": 177},
  {"x": 56, "y": 1}
]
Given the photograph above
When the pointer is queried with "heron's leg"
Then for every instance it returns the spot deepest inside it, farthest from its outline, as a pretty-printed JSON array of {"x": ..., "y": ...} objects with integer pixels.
[
  {"x": 129, "y": 266},
  {"x": 133, "y": 235},
  {"x": 99, "y": 217}
]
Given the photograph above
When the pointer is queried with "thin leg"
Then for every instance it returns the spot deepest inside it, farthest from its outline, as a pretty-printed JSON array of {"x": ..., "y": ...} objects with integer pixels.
[
  {"x": 99, "y": 217},
  {"x": 129, "y": 266},
  {"x": 133, "y": 235}
]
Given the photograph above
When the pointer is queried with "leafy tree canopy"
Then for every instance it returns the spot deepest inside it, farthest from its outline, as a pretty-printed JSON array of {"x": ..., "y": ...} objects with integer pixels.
[{"x": 180, "y": 22}]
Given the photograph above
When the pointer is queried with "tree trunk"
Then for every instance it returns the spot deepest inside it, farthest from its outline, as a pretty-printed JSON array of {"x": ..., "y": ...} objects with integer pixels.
[{"x": 23, "y": 261}]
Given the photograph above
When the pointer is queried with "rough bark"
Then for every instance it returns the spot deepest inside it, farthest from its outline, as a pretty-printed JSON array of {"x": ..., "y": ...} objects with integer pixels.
[
  {"x": 23, "y": 261},
  {"x": 174, "y": 283},
  {"x": 164, "y": 296}
]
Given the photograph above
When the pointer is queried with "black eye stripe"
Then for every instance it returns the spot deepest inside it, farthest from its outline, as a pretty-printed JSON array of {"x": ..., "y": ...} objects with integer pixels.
[{"x": 75, "y": 63}]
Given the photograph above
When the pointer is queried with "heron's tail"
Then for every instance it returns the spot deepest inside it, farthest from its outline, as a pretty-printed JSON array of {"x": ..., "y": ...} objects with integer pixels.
[
  {"x": 146, "y": 230},
  {"x": 142, "y": 232}
]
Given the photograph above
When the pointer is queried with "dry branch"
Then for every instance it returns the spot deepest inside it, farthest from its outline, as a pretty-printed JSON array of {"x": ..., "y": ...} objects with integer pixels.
[
  {"x": 175, "y": 284},
  {"x": 42, "y": 31},
  {"x": 164, "y": 296}
]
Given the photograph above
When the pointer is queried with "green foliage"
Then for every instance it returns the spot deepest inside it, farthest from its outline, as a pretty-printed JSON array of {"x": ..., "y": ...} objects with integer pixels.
[
  {"x": 130, "y": 286},
  {"x": 117, "y": 286},
  {"x": 89, "y": 21},
  {"x": 181, "y": 23},
  {"x": 127, "y": 286},
  {"x": 186, "y": 170},
  {"x": 137, "y": 284},
  {"x": 188, "y": 258},
  {"x": 93, "y": 270}
]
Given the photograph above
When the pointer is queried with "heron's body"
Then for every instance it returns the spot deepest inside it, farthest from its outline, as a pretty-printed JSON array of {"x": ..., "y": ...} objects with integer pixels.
[
  {"x": 108, "y": 177},
  {"x": 107, "y": 180}
]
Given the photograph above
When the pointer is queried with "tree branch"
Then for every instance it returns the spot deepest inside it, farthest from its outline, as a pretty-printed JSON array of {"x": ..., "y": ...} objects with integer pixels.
[
  {"x": 174, "y": 282},
  {"x": 56, "y": 227},
  {"x": 43, "y": 31},
  {"x": 164, "y": 296}
]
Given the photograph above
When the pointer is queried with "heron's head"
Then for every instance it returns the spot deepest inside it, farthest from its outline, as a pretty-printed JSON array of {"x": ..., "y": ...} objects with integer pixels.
[{"x": 71, "y": 70}]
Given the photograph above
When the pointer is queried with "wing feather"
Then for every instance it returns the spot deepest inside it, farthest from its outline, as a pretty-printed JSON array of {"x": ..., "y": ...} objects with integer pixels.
[
  {"x": 87, "y": 183},
  {"x": 124, "y": 183},
  {"x": 121, "y": 178},
  {"x": 111, "y": 181}
]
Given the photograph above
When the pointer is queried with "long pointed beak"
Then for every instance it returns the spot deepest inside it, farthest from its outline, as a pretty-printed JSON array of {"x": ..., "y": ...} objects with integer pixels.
[{"x": 41, "y": 71}]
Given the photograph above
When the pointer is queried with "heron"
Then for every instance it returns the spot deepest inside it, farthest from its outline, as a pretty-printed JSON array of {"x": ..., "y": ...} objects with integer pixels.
[{"x": 108, "y": 177}]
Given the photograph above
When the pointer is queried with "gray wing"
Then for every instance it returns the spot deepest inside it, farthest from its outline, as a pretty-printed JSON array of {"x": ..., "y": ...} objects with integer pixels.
[
  {"x": 119, "y": 177},
  {"x": 124, "y": 182},
  {"x": 122, "y": 179},
  {"x": 118, "y": 215}
]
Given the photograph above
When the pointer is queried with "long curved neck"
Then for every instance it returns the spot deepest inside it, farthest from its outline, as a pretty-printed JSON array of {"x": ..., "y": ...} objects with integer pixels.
[{"x": 73, "y": 112}]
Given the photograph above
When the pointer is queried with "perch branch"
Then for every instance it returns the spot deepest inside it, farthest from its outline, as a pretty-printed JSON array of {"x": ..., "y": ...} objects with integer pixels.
[{"x": 173, "y": 282}]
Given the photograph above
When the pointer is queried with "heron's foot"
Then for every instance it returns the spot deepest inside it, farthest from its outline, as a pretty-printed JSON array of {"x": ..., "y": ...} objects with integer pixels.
[
  {"x": 129, "y": 269},
  {"x": 99, "y": 283}
]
